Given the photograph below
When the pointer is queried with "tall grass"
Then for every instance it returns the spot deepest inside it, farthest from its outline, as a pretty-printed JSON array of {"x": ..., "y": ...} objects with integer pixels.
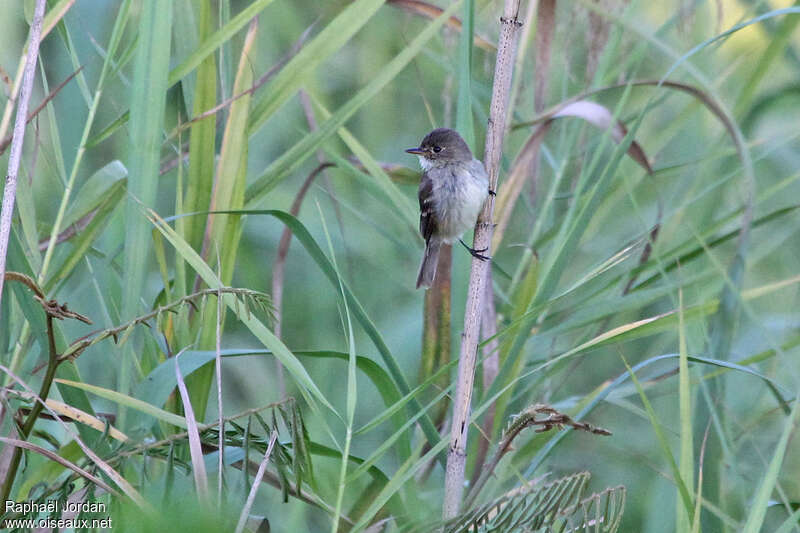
[{"x": 642, "y": 282}]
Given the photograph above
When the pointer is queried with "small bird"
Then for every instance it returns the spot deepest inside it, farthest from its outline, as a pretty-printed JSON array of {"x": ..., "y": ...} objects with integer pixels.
[{"x": 452, "y": 191}]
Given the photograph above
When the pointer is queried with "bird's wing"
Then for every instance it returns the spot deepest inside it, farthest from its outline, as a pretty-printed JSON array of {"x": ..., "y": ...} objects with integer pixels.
[{"x": 427, "y": 219}]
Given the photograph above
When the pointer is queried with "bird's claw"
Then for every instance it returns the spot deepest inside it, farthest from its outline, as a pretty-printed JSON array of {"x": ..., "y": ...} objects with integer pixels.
[
  {"x": 478, "y": 254},
  {"x": 492, "y": 193}
]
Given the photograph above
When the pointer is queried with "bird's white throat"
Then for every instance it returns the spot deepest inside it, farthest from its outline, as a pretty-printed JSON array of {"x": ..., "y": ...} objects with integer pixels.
[{"x": 424, "y": 162}]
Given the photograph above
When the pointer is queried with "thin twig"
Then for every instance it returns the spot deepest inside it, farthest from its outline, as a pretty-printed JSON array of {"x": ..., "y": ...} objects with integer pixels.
[
  {"x": 553, "y": 419},
  {"x": 456, "y": 456},
  {"x": 10, "y": 190}
]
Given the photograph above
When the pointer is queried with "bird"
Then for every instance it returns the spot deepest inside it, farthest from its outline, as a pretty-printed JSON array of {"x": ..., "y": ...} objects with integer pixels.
[{"x": 452, "y": 191}]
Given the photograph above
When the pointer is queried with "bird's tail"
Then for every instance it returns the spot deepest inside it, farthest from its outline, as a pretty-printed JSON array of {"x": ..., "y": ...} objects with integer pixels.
[{"x": 427, "y": 270}]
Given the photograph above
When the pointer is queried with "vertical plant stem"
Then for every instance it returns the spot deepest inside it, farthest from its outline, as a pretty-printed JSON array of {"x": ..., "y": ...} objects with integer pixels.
[
  {"x": 10, "y": 189},
  {"x": 456, "y": 456},
  {"x": 490, "y": 366},
  {"x": 36, "y": 410},
  {"x": 221, "y": 419}
]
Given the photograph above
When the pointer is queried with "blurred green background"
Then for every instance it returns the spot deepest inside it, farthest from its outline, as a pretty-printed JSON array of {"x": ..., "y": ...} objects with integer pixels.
[{"x": 696, "y": 193}]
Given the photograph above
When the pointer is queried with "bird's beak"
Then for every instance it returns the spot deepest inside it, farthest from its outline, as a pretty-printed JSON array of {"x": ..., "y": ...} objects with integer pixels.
[{"x": 416, "y": 151}]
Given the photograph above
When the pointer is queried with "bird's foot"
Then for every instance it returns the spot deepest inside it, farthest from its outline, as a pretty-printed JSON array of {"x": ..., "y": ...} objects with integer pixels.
[
  {"x": 478, "y": 254},
  {"x": 492, "y": 193}
]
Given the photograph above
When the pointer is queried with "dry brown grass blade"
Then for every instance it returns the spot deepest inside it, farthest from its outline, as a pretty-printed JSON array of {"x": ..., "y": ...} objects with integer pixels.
[
  {"x": 115, "y": 476},
  {"x": 545, "y": 28},
  {"x": 597, "y": 34},
  {"x": 704, "y": 98},
  {"x": 195, "y": 448},
  {"x": 512, "y": 187},
  {"x": 256, "y": 483},
  {"x": 69, "y": 413},
  {"x": 60, "y": 460},
  {"x": 431, "y": 11}
]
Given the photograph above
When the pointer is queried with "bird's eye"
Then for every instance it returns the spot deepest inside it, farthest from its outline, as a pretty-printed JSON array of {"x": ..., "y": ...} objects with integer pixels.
[{"x": 437, "y": 149}]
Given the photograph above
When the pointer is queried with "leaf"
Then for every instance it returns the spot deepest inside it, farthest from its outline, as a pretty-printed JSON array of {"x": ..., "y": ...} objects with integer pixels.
[
  {"x": 202, "y": 140},
  {"x": 217, "y": 39},
  {"x": 60, "y": 460},
  {"x": 777, "y": 44},
  {"x": 680, "y": 483},
  {"x": 600, "y": 117},
  {"x": 159, "y": 384},
  {"x": 87, "y": 237},
  {"x": 758, "y": 507},
  {"x": 148, "y": 100},
  {"x": 82, "y": 417},
  {"x": 224, "y": 232},
  {"x": 128, "y": 401},
  {"x": 296, "y": 155},
  {"x": 685, "y": 408},
  {"x": 399, "y": 201},
  {"x": 93, "y": 192},
  {"x": 304, "y": 237},
  {"x": 464, "y": 121},
  {"x": 256, "y": 327},
  {"x": 195, "y": 448},
  {"x": 293, "y": 75}
]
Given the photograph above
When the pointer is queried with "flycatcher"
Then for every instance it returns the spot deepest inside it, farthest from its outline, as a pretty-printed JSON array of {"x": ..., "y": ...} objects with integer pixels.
[{"x": 453, "y": 188}]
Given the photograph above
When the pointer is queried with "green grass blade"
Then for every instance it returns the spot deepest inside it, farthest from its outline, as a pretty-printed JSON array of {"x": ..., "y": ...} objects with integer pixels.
[
  {"x": 256, "y": 327},
  {"x": 217, "y": 39},
  {"x": 777, "y": 45},
  {"x": 202, "y": 141},
  {"x": 86, "y": 238},
  {"x": 683, "y": 492},
  {"x": 758, "y": 507},
  {"x": 329, "y": 41},
  {"x": 228, "y": 193},
  {"x": 685, "y": 409},
  {"x": 399, "y": 201},
  {"x": 790, "y": 524},
  {"x": 296, "y": 155},
  {"x": 465, "y": 123},
  {"x": 128, "y": 401},
  {"x": 304, "y": 237},
  {"x": 148, "y": 97}
]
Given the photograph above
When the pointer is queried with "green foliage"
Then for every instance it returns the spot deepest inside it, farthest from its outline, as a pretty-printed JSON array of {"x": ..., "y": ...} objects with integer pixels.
[{"x": 660, "y": 231}]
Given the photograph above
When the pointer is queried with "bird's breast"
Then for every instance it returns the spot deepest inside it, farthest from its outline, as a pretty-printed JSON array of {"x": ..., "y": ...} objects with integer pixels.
[{"x": 459, "y": 192}]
